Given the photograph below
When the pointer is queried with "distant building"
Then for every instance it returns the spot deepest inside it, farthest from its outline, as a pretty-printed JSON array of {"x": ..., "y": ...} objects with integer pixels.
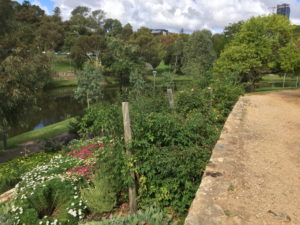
[
  {"x": 284, "y": 9},
  {"x": 159, "y": 31}
]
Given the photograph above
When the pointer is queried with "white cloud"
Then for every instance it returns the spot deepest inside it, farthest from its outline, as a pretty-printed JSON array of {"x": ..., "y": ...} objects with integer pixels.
[
  {"x": 38, "y": 3},
  {"x": 176, "y": 14}
]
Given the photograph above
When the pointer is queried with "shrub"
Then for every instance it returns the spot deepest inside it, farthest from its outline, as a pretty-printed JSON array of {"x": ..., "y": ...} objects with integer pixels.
[
  {"x": 100, "y": 120},
  {"x": 11, "y": 171},
  {"x": 5, "y": 214},
  {"x": 170, "y": 176},
  {"x": 45, "y": 194},
  {"x": 142, "y": 217},
  {"x": 99, "y": 196}
]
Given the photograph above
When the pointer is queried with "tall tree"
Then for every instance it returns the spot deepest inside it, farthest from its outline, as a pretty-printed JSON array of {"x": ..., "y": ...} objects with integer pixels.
[
  {"x": 149, "y": 47},
  {"x": 254, "y": 49},
  {"x": 22, "y": 76},
  {"x": 50, "y": 34},
  {"x": 199, "y": 54}
]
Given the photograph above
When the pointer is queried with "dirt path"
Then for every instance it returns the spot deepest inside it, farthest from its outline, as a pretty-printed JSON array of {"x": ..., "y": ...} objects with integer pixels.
[{"x": 259, "y": 166}]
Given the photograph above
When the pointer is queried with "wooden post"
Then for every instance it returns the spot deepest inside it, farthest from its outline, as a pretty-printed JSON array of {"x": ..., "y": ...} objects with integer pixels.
[
  {"x": 297, "y": 81},
  {"x": 171, "y": 99},
  {"x": 128, "y": 138}
]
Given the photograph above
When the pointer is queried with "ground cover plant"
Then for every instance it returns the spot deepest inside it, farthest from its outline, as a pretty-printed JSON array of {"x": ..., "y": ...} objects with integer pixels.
[{"x": 12, "y": 171}]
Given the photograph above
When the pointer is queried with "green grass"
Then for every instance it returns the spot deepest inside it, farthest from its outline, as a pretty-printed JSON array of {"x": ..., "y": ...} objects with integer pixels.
[
  {"x": 269, "y": 89},
  {"x": 276, "y": 78},
  {"x": 61, "y": 83},
  {"x": 63, "y": 63},
  {"x": 40, "y": 134}
]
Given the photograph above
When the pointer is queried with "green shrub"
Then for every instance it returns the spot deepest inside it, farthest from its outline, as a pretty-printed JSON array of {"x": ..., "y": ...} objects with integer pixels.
[
  {"x": 46, "y": 194},
  {"x": 192, "y": 99},
  {"x": 100, "y": 120},
  {"x": 11, "y": 171},
  {"x": 6, "y": 217},
  {"x": 55, "y": 199},
  {"x": 100, "y": 196},
  {"x": 142, "y": 217},
  {"x": 170, "y": 176}
]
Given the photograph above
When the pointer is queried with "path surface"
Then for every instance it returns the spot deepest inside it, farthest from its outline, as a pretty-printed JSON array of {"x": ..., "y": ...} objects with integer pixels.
[{"x": 254, "y": 174}]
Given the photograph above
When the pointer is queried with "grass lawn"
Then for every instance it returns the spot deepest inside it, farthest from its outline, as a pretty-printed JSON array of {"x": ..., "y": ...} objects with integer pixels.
[
  {"x": 269, "y": 89},
  {"x": 40, "y": 134},
  {"x": 56, "y": 83},
  {"x": 63, "y": 63}
]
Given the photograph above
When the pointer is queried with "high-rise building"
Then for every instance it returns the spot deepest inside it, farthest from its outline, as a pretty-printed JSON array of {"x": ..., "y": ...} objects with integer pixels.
[{"x": 284, "y": 9}]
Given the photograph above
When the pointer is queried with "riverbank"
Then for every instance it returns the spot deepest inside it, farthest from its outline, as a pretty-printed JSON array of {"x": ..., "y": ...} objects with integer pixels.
[{"x": 44, "y": 133}]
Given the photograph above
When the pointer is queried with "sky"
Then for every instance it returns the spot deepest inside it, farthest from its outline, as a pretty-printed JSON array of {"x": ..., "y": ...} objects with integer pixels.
[{"x": 175, "y": 14}]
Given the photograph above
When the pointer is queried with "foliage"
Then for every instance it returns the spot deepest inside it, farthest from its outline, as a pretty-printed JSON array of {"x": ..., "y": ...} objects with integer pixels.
[
  {"x": 22, "y": 76},
  {"x": 12, "y": 171},
  {"x": 149, "y": 47},
  {"x": 44, "y": 194},
  {"x": 137, "y": 82},
  {"x": 150, "y": 215},
  {"x": 5, "y": 217},
  {"x": 170, "y": 176},
  {"x": 290, "y": 58},
  {"x": 99, "y": 196},
  {"x": 101, "y": 120},
  {"x": 199, "y": 54},
  {"x": 89, "y": 89},
  {"x": 254, "y": 50}
]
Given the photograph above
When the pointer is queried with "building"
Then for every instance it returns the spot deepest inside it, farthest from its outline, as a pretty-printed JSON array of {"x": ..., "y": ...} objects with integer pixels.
[
  {"x": 284, "y": 9},
  {"x": 159, "y": 31}
]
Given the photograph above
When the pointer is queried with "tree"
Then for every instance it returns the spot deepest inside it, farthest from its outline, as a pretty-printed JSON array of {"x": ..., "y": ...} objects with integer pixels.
[
  {"x": 254, "y": 50},
  {"x": 86, "y": 47},
  {"x": 199, "y": 54},
  {"x": 6, "y": 14},
  {"x": 89, "y": 87},
  {"x": 50, "y": 34},
  {"x": 219, "y": 42},
  {"x": 289, "y": 59},
  {"x": 126, "y": 32},
  {"x": 122, "y": 59},
  {"x": 22, "y": 76},
  {"x": 113, "y": 27},
  {"x": 57, "y": 12},
  {"x": 149, "y": 47}
]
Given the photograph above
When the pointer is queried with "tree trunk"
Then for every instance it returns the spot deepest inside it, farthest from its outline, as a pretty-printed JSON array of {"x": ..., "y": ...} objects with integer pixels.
[
  {"x": 128, "y": 138},
  {"x": 4, "y": 138},
  {"x": 297, "y": 81},
  {"x": 283, "y": 85},
  {"x": 176, "y": 59}
]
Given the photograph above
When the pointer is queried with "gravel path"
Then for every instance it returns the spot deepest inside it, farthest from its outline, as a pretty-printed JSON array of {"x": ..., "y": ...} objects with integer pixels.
[{"x": 259, "y": 179}]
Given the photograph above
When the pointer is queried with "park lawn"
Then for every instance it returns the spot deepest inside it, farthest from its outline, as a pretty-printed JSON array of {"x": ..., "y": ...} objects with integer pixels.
[
  {"x": 277, "y": 78},
  {"x": 269, "y": 89},
  {"x": 57, "y": 83},
  {"x": 47, "y": 132},
  {"x": 63, "y": 63}
]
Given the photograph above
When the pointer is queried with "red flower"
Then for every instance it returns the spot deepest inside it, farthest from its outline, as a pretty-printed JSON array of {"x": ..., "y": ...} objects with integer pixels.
[
  {"x": 85, "y": 151},
  {"x": 81, "y": 170}
]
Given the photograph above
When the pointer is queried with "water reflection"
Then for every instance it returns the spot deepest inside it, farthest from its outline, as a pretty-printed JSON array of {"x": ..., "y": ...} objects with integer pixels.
[{"x": 54, "y": 106}]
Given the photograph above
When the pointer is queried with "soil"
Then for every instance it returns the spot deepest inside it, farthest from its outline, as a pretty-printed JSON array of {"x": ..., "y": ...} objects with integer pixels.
[
  {"x": 266, "y": 187},
  {"x": 256, "y": 164}
]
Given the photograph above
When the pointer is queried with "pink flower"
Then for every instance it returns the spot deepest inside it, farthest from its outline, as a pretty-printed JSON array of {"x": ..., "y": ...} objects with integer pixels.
[{"x": 81, "y": 170}]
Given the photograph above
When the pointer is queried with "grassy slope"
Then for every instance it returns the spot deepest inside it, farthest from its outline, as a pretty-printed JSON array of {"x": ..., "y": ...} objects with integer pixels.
[{"x": 40, "y": 134}]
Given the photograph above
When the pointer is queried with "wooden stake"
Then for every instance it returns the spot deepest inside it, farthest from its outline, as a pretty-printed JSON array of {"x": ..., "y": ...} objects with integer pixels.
[
  {"x": 128, "y": 139},
  {"x": 171, "y": 99}
]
